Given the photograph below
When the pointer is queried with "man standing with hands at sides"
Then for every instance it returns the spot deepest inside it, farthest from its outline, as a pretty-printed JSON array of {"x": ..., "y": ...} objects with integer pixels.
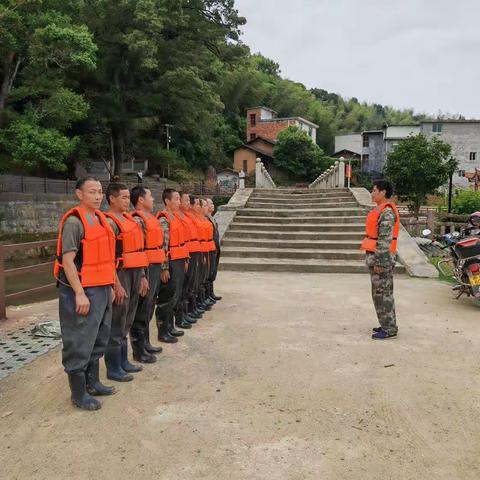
[
  {"x": 143, "y": 201},
  {"x": 193, "y": 245},
  {"x": 130, "y": 281},
  {"x": 380, "y": 245},
  {"x": 214, "y": 255},
  {"x": 85, "y": 271},
  {"x": 170, "y": 292}
]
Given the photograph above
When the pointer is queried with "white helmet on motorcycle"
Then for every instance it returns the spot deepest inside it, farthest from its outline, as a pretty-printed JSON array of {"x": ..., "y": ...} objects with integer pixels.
[{"x": 474, "y": 219}]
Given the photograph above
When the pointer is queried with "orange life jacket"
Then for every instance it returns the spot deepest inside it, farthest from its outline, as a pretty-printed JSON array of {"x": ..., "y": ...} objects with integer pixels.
[
  {"x": 193, "y": 242},
  {"x": 210, "y": 246},
  {"x": 177, "y": 248},
  {"x": 131, "y": 238},
  {"x": 153, "y": 237},
  {"x": 371, "y": 229},
  {"x": 97, "y": 252}
]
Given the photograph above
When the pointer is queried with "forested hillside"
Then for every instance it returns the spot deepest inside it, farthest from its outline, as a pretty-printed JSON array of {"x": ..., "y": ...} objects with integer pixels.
[{"x": 98, "y": 79}]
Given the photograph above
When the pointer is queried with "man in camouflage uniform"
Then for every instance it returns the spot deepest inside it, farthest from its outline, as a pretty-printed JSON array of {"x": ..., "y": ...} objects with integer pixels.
[{"x": 381, "y": 259}]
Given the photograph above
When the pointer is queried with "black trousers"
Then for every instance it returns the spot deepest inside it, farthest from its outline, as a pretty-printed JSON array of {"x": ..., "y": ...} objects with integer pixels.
[
  {"x": 170, "y": 294},
  {"x": 123, "y": 315},
  {"x": 84, "y": 337},
  {"x": 146, "y": 304},
  {"x": 189, "y": 283}
]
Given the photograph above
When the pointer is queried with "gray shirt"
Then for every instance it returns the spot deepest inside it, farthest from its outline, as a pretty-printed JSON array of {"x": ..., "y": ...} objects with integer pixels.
[{"x": 72, "y": 234}]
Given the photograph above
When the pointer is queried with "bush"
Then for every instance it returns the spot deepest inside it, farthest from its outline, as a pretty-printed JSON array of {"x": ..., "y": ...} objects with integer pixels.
[{"x": 466, "y": 202}]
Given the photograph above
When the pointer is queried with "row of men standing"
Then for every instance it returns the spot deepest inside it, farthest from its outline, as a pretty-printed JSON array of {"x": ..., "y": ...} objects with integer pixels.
[{"x": 115, "y": 269}]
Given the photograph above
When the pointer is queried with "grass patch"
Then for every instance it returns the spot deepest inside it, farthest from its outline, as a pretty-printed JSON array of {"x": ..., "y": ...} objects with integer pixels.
[{"x": 448, "y": 270}]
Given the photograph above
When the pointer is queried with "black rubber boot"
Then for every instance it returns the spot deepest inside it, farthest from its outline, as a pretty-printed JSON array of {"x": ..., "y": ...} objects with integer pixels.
[
  {"x": 113, "y": 359},
  {"x": 126, "y": 365},
  {"x": 94, "y": 386},
  {"x": 186, "y": 315},
  {"x": 164, "y": 329},
  {"x": 139, "y": 351},
  {"x": 146, "y": 342},
  {"x": 80, "y": 397}
]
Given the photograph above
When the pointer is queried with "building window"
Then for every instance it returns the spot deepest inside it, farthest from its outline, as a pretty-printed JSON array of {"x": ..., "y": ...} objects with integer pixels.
[
  {"x": 253, "y": 119},
  {"x": 437, "y": 127},
  {"x": 310, "y": 131},
  {"x": 366, "y": 142},
  {"x": 245, "y": 166},
  {"x": 461, "y": 173},
  {"x": 253, "y": 136},
  {"x": 473, "y": 156}
]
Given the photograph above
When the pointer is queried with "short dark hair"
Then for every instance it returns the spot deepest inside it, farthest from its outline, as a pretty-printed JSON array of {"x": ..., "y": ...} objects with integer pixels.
[
  {"x": 81, "y": 182},
  {"x": 202, "y": 201},
  {"x": 137, "y": 192},
  {"x": 192, "y": 200},
  {"x": 114, "y": 189},
  {"x": 167, "y": 194},
  {"x": 384, "y": 186},
  {"x": 183, "y": 192}
]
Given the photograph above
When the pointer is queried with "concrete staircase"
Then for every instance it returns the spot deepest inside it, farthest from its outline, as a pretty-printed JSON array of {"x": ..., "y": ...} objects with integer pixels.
[{"x": 296, "y": 230}]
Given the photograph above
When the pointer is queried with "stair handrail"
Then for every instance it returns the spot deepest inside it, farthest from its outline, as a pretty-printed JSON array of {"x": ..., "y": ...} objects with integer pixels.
[
  {"x": 262, "y": 177},
  {"x": 333, "y": 177}
]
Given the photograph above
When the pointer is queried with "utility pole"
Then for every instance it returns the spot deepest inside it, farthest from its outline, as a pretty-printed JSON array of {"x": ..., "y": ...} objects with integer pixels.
[{"x": 169, "y": 138}]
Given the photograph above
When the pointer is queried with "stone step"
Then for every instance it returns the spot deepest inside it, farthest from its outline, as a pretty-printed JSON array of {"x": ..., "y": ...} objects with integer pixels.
[
  {"x": 300, "y": 191},
  {"x": 299, "y": 266},
  {"x": 299, "y": 227},
  {"x": 301, "y": 196},
  {"x": 296, "y": 235},
  {"x": 299, "y": 244},
  {"x": 301, "y": 206},
  {"x": 320, "y": 212},
  {"x": 296, "y": 201},
  {"x": 283, "y": 253},
  {"x": 281, "y": 221}
]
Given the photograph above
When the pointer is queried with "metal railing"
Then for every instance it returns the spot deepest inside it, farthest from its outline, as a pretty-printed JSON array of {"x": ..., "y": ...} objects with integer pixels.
[{"x": 21, "y": 247}]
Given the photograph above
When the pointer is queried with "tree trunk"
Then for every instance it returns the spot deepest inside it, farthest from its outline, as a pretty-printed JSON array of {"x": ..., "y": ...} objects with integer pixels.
[
  {"x": 7, "y": 80},
  {"x": 118, "y": 137}
]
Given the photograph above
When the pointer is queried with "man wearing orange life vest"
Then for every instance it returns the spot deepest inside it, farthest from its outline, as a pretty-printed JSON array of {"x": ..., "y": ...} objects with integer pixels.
[
  {"x": 380, "y": 245},
  {"x": 169, "y": 295},
  {"x": 85, "y": 271},
  {"x": 130, "y": 281},
  {"x": 156, "y": 250},
  {"x": 208, "y": 246},
  {"x": 215, "y": 254},
  {"x": 188, "y": 291}
]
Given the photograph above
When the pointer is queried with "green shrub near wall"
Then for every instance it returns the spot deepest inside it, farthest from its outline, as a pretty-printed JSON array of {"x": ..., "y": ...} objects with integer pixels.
[{"x": 466, "y": 202}]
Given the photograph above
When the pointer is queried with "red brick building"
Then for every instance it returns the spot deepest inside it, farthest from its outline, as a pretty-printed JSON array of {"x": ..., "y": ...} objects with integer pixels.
[{"x": 263, "y": 127}]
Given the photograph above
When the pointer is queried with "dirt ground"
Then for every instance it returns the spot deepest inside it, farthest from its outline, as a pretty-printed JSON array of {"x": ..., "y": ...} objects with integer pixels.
[{"x": 280, "y": 381}]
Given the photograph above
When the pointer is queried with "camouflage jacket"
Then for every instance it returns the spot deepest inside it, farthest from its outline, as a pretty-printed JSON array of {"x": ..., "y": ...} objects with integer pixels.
[{"x": 383, "y": 257}]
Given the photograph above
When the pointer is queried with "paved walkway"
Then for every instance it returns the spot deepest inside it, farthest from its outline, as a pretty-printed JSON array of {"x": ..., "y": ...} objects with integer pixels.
[{"x": 282, "y": 382}]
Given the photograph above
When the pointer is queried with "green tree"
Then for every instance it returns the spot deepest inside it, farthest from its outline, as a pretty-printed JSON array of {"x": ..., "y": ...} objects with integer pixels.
[
  {"x": 418, "y": 167},
  {"x": 298, "y": 155}
]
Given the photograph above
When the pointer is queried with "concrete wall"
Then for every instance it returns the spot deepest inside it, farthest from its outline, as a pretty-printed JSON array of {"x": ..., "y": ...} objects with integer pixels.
[
  {"x": 242, "y": 154},
  {"x": 352, "y": 142},
  {"x": 375, "y": 152},
  {"x": 30, "y": 215},
  {"x": 464, "y": 137}
]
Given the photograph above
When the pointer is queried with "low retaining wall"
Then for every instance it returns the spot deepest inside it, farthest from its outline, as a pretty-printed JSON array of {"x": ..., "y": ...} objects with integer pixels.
[
  {"x": 226, "y": 213},
  {"x": 409, "y": 253}
]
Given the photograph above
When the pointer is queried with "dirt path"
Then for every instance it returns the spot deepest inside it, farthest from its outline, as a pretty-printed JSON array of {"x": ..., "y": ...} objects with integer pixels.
[{"x": 281, "y": 381}]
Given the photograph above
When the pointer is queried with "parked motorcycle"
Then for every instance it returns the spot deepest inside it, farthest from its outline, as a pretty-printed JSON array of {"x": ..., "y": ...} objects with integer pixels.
[{"x": 464, "y": 258}]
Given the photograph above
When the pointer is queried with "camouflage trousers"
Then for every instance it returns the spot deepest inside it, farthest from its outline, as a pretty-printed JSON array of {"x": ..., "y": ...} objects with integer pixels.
[{"x": 382, "y": 295}]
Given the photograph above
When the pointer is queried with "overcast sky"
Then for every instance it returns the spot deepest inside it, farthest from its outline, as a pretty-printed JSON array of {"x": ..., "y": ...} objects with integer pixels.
[{"x": 421, "y": 54}]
